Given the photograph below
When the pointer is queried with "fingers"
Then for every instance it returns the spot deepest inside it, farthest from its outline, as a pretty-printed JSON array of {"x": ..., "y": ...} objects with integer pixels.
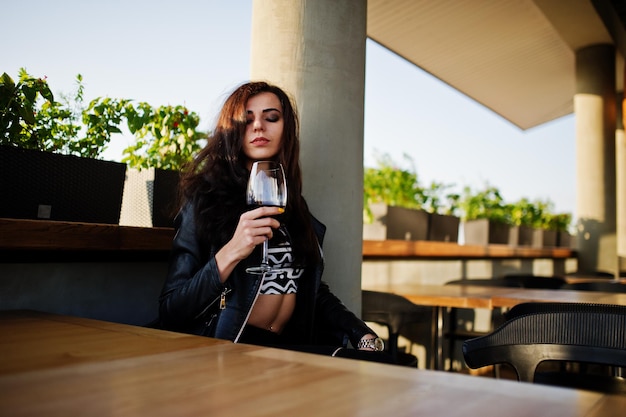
[
  {"x": 265, "y": 211},
  {"x": 256, "y": 231},
  {"x": 255, "y": 226}
]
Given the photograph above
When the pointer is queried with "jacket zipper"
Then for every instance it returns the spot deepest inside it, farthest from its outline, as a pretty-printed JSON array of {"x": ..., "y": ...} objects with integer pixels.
[{"x": 222, "y": 300}]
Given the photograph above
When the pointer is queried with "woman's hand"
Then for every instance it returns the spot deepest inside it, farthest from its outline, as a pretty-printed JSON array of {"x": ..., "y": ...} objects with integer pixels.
[{"x": 253, "y": 228}]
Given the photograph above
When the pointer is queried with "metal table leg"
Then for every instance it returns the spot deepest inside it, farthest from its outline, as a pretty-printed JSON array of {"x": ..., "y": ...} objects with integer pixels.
[{"x": 436, "y": 358}]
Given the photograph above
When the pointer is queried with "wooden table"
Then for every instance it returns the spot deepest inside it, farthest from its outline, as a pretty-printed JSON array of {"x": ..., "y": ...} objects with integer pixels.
[
  {"x": 516, "y": 296},
  {"x": 61, "y": 366},
  {"x": 441, "y": 297},
  {"x": 36, "y": 341}
]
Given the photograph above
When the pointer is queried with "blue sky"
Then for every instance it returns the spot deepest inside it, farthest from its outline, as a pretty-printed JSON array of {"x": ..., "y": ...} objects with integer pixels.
[{"x": 194, "y": 52}]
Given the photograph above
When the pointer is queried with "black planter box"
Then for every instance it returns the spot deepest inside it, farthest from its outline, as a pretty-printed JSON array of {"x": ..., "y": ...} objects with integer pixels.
[
  {"x": 443, "y": 228},
  {"x": 44, "y": 185},
  {"x": 164, "y": 197},
  {"x": 396, "y": 223}
]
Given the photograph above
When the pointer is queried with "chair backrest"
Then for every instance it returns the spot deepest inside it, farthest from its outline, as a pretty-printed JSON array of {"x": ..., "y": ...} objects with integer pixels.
[
  {"x": 487, "y": 282},
  {"x": 536, "y": 281},
  {"x": 605, "y": 286},
  {"x": 515, "y": 281},
  {"x": 538, "y": 332},
  {"x": 540, "y": 307},
  {"x": 391, "y": 310}
]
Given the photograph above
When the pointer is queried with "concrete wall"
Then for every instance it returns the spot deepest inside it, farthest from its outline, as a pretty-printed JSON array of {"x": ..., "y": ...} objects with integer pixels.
[{"x": 123, "y": 292}]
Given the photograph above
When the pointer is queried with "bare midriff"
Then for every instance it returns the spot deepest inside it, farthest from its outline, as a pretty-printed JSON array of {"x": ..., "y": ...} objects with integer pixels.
[{"x": 272, "y": 311}]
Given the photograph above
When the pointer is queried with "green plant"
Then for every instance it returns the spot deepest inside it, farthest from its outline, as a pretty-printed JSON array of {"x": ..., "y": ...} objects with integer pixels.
[
  {"x": 437, "y": 200},
  {"x": 539, "y": 214},
  {"x": 392, "y": 185},
  {"x": 18, "y": 109},
  {"x": 101, "y": 120},
  {"x": 561, "y": 222},
  {"x": 484, "y": 204},
  {"x": 58, "y": 123},
  {"x": 165, "y": 137},
  {"x": 32, "y": 119},
  {"x": 527, "y": 213}
]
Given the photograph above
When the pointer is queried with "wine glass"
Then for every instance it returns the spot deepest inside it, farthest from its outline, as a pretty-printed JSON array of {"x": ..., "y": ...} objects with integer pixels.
[{"x": 267, "y": 186}]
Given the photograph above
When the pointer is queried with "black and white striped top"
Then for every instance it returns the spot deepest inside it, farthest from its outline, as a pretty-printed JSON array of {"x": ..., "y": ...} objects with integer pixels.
[{"x": 283, "y": 279}]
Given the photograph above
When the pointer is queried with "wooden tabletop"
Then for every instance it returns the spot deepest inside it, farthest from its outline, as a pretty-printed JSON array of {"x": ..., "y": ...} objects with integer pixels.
[
  {"x": 194, "y": 376},
  {"x": 477, "y": 296},
  {"x": 459, "y": 296},
  {"x": 71, "y": 340},
  {"x": 521, "y": 295}
]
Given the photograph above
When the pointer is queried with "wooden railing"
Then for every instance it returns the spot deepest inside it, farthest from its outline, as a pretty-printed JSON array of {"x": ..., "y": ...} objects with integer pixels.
[
  {"x": 447, "y": 250},
  {"x": 53, "y": 236}
]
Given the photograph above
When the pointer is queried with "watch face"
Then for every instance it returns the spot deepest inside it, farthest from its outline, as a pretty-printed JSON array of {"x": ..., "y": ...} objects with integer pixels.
[{"x": 379, "y": 345}]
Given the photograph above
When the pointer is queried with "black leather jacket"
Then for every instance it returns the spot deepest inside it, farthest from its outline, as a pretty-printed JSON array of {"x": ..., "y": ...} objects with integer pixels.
[{"x": 192, "y": 294}]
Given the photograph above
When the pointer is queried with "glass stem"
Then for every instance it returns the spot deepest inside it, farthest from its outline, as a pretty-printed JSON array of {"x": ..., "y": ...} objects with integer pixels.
[{"x": 265, "y": 252}]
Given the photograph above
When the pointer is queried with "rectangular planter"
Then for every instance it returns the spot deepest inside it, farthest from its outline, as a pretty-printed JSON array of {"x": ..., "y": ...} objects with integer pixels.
[
  {"x": 486, "y": 232},
  {"x": 514, "y": 233},
  {"x": 443, "y": 228},
  {"x": 44, "y": 185},
  {"x": 544, "y": 238},
  {"x": 526, "y": 236},
  {"x": 564, "y": 239},
  {"x": 396, "y": 223},
  {"x": 150, "y": 198}
]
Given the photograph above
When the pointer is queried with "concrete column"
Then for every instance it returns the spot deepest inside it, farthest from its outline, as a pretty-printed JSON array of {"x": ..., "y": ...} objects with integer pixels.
[
  {"x": 316, "y": 51},
  {"x": 595, "y": 109}
]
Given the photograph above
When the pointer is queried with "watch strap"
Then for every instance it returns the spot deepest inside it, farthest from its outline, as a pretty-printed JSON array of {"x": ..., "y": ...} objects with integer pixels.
[{"x": 374, "y": 343}]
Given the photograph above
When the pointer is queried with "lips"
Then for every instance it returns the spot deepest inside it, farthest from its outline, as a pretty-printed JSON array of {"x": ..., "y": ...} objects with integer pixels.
[{"x": 260, "y": 141}]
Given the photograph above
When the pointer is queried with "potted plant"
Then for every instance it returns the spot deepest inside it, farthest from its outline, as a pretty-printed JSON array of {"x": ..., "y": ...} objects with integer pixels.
[
  {"x": 559, "y": 224},
  {"x": 48, "y": 154},
  {"x": 392, "y": 202},
  {"x": 165, "y": 139},
  {"x": 486, "y": 217},
  {"x": 527, "y": 217},
  {"x": 443, "y": 207}
]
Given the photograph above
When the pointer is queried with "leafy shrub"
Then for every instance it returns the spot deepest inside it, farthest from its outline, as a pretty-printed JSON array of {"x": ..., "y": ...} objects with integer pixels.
[{"x": 165, "y": 137}]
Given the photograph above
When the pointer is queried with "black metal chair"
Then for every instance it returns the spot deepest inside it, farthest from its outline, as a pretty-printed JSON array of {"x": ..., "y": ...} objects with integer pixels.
[
  {"x": 394, "y": 312},
  {"x": 514, "y": 280},
  {"x": 605, "y": 286},
  {"x": 572, "y": 333},
  {"x": 536, "y": 281}
]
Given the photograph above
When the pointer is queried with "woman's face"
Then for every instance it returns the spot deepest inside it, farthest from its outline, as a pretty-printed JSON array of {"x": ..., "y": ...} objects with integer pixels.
[{"x": 264, "y": 129}]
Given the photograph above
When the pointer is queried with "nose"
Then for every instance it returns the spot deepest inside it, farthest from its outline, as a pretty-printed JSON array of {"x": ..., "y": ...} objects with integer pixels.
[{"x": 257, "y": 125}]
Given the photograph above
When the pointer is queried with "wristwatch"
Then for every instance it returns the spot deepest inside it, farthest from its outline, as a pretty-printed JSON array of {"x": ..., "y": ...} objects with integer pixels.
[{"x": 376, "y": 344}]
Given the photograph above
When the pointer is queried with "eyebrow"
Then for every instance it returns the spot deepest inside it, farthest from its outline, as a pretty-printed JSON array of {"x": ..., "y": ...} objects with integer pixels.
[{"x": 265, "y": 110}]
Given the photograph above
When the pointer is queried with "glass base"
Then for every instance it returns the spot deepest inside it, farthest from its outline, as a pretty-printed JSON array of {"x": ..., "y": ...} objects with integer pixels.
[{"x": 261, "y": 269}]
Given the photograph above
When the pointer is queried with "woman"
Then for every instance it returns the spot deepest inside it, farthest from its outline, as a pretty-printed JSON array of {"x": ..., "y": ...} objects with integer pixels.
[{"x": 207, "y": 290}]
